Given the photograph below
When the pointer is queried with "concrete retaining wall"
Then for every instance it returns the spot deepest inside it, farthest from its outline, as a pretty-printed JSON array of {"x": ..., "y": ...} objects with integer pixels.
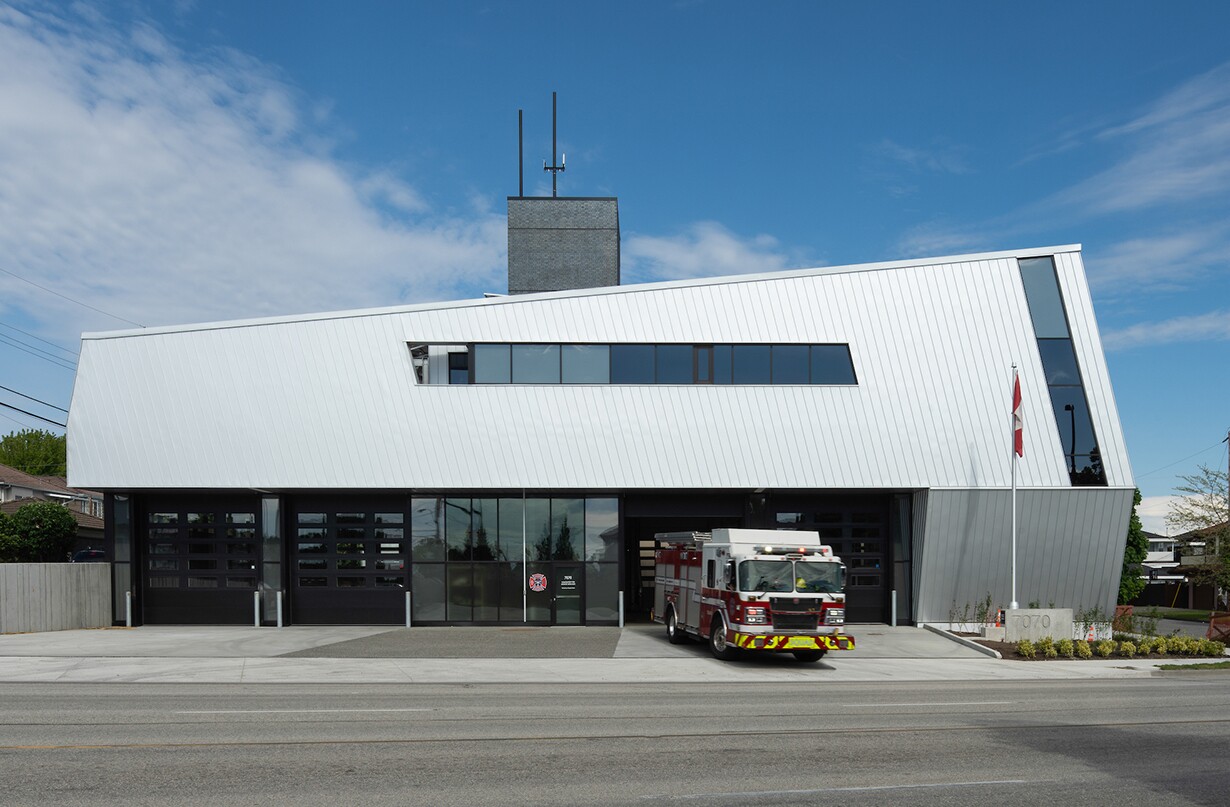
[{"x": 54, "y": 596}]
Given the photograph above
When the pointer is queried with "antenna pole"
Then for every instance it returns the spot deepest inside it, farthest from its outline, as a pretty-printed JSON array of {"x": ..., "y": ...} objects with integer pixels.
[
  {"x": 520, "y": 154},
  {"x": 553, "y": 168},
  {"x": 554, "y": 174}
]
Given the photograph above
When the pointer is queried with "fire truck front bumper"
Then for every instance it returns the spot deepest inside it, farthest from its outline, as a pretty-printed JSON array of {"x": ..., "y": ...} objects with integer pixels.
[{"x": 761, "y": 641}]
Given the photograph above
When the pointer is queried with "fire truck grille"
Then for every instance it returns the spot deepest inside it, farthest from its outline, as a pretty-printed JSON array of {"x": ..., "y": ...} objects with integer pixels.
[{"x": 794, "y": 621}]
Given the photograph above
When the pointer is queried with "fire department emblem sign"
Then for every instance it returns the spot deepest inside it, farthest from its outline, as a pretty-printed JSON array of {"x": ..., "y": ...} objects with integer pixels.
[{"x": 538, "y": 582}]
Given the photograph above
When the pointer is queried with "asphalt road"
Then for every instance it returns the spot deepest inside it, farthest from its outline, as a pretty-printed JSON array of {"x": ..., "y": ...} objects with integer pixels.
[{"x": 1157, "y": 741}]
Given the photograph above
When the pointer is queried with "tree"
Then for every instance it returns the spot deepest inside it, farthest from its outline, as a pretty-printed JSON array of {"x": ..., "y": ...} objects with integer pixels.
[
  {"x": 35, "y": 452},
  {"x": 39, "y": 532},
  {"x": 1204, "y": 513},
  {"x": 1130, "y": 582}
]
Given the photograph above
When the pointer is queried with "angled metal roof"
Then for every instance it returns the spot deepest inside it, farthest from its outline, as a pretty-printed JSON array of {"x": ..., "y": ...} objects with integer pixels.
[{"x": 330, "y": 401}]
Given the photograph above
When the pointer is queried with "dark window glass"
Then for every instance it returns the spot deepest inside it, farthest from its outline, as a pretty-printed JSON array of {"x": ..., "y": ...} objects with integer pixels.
[
  {"x": 790, "y": 364},
  {"x": 1042, "y": 294},
  {"x": 164, "y": 565},
  {"x": 602, "y": 591},
  {"x": 427, "y": 529},
  {"x": 602, "y": 529},
  {"x": 674, "y": 364},
  {"x": 831, "y": 364},
  {"x": 721, "y": 364},
  {"x": 460, "y": 592},
  {"x": 1086, "y": 469},
  {"x": 162, "y": 549},
  {"x": 202, "y": 582},
  {"x": 164, "y": 518},
  {"x": 351, "y": 582},
  {"x": 241, "y": 533},
  {"x": 512, "y": 542},
  {"x": 389, "y": 582},
  {"x": 1059, "y": 361},
  {"x": 492, "y": 364},
  {"x": 483, "y": 524},
  {"x": 751, "y": 364},
  {"x": 535, "y": 364},
  {"x": 568, "y": 528},
  {"x": 241, "y": 518},
  {"x": 585, "y": 364},
  {"x": 200, "y": 549},
  {"x": 459, "y": 368},
  {"x": 538, "y": 528},
  {"x": 311, "y": 534},
  {"x": 313, "y": 582},
  {"x": 351, "y": 564},
  {"x": 632, "y": 364},
  {"x": 232, "y": 565},
  {"x": 350, "y": 518},
  {"x": 512, "y": 581},
  {"x": 200, "y": 518},
  {"x": 486, "y": 592},
  {"x": 389, "y": 518},
  {"x": 458, "y": 535},
  {"x": 314, "y": 563},
  {"x": 351, "y": 533},
  {"x": 427, "y": 583},
  {"x": 312, "y": 549},
  {"x": 1072, "y": 417},
  {"x": 702, "y": 372},
  {"x": 311, "y": 518}
]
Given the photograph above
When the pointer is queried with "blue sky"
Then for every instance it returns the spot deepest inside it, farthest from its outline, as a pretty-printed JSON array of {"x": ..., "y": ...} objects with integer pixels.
[{"x": 179, "y": 162}]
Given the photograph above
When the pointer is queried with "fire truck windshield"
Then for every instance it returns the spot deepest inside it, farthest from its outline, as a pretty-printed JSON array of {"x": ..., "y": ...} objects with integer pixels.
[{"x": 786, "y": 575}]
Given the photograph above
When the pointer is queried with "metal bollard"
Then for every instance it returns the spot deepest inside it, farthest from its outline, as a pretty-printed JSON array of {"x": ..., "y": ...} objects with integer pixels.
[
  {"x": 256, "y": 609},
  {"x": 279, "y": 608},
  {"x": 894, "y": 623},
  {"x": 407, "y": 609},
  {"x": 128, "y": 609},
  {"x": 621, "y": 608}
]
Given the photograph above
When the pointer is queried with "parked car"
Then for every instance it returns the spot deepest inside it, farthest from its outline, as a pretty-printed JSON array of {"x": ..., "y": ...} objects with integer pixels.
[{"x": 88, "y": 556}]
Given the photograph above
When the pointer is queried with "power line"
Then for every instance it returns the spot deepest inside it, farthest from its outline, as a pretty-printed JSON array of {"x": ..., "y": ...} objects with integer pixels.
[
  {"x": 38, "y": 354},
  {"x": 39, "y": 338},
  {"x": 1185, "y": 459},
  {"x": 31, "y": 414},
  {"x": 70, "y": 299},
  {"x": 36, "y": 400}
]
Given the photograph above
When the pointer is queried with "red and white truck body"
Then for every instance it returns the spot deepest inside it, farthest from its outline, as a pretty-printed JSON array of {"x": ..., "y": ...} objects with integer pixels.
[{"x": 761, "y": 590}]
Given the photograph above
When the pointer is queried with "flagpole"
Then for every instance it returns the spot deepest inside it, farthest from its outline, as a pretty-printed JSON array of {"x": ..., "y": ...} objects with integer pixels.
[{"x": 1013, "y": 604}]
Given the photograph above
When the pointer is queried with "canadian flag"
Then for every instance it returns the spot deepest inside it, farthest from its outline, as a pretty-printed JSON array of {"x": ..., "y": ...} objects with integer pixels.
[{"x": 1018, "y": 441}]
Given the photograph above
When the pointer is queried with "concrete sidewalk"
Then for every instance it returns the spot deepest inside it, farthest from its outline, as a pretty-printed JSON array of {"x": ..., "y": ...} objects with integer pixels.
[{"x": 495, "y": 655}]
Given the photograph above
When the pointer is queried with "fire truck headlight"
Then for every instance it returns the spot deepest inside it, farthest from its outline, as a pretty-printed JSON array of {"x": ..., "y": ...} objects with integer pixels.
[
  {"x": 835, "y": 616},
  {"x": 755, "y": 616}
]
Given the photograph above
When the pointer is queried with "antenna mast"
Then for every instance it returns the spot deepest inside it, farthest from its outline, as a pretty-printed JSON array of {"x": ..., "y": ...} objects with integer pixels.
[{"x": 553, "y": 168}]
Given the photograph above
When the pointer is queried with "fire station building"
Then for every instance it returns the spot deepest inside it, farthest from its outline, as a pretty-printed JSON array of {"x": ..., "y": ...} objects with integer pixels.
[{"x": 425, "y": 462}]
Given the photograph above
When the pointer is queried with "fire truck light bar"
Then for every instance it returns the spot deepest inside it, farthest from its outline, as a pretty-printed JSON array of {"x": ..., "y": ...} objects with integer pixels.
[{"x": 824, "y": 551}]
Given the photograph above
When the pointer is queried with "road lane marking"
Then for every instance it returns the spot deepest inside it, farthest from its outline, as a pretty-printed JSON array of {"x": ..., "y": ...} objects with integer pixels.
[
  {"x": 883, "y": 704},
  {"x": 292, "y": 711},
  {"x": 823, "y": 790}
]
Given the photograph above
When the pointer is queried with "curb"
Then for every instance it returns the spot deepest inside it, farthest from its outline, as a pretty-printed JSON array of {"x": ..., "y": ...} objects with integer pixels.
[{"x": 986, "y": 651}]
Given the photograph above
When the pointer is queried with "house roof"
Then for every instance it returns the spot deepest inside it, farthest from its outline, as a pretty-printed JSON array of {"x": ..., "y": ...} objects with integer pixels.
[
  {"x": 46, "y": 484},
  {"x": 83, "y": 519}
]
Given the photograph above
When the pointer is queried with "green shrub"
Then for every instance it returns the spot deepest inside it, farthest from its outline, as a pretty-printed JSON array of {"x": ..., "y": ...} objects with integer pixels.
[
  {"x": 1127, "y": 649},
  {"x": 1050, "y": 652},
  {"x": 1083, "y": 650},
  {"x": 1065, "y": 648},
  {"x": 1105, "y": 647},
  {"x": 1160, "y": 646},
  {"x": 1146, "y": 645},
  {"x": 38, "y": 532},
  {"x": 1026, "y": 649},
  {"x": 1211, "y": 648}
]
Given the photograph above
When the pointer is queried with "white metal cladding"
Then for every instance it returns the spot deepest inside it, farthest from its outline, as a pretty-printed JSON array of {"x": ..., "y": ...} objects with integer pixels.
[
  {"x": 1069, "y": 549},
  {"x": 330, "y": 401}
]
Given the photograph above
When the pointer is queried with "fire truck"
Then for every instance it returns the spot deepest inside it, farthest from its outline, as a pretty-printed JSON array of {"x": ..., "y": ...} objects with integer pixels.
[{"x": 756, "y": 590}]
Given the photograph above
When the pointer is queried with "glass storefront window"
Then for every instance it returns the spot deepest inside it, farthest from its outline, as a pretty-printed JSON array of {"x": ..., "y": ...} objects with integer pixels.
[
  {"x": 427, "y": 599},
  {"x": 535, "y": 364},
  {"x": 457, "y": 534},
  {"x": 567, "y": 528},
  {"x": 585, "y": 364},
  {"x": 674, "y": 364},
  {"x": 790, "y": 364},
  {"x": 602, "y": 530},
  {"x": 538, "y": 535},
  {"x": 427, "y": 529},
  {"x": 492, "y": 364},
  {"x": 831, "y": 364},
  {"x": 602, "y": 591},
  {"x": 632, "y": 364},
  {"x": 751, "y": 364}
]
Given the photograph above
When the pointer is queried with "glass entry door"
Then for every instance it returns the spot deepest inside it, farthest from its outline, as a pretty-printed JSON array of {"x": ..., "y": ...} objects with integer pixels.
[{"x": 569, "y": 593}]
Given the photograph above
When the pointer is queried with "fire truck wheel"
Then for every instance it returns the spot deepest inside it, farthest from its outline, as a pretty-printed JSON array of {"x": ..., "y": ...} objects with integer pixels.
[
  {"x": 717, "y": 642},
  {"x": 809, "y": 656},
  {"x": 673, "y": 634}
]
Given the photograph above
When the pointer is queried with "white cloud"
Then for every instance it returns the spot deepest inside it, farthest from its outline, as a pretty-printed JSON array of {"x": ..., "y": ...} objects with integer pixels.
[
  {"x": 1179, "y": 151},
  {"x": 943, "y": 159},
  {"x": 173, "y": 187},
  {"x": 1152, "y": 511},
  {"x": 705, "y": 249},
  {"x": 1211, "y": 327},
  {"x": 1160, "y": 262}
]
